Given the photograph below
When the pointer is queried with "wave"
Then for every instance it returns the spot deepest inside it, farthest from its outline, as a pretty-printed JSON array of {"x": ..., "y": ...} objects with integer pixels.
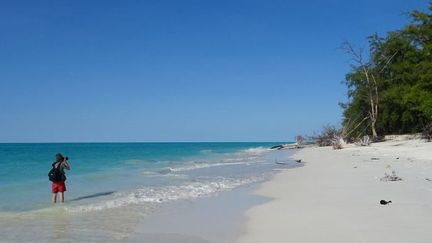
[
  {"x": 242, "y": 157},
  {"x": 202, "y": 187},
  {"x": 196, "y": 166},
  {"x": 256, "y": 151},
  {"x": 206, "y": 151},
  {"x": 192, "y": 190}
]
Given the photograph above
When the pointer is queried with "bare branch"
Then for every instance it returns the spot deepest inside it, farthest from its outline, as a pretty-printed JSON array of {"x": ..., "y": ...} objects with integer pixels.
[{"x": 388, "y": 61}]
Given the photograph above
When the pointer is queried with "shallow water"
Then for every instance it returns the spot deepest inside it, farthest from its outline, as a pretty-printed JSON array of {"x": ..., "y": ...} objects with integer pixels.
[
  {"x": 216, "y": 219},
  {"x": 112, "y": 188}
]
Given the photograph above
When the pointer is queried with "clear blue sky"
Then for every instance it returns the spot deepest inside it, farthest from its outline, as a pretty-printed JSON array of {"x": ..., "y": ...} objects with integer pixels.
[{"x": 179, "y": 70}]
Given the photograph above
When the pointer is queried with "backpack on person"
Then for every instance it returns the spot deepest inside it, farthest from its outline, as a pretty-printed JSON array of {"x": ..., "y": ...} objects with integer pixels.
[{"x": 56, "y": 174}]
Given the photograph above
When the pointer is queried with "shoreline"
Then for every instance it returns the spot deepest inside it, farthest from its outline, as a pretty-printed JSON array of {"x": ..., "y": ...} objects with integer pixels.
[
  {"x": 200, "y": 201},
  {"x": 336, "y": 196},
  {"x": 218, "y": 218},
  {"x": 214, "y": 219}
]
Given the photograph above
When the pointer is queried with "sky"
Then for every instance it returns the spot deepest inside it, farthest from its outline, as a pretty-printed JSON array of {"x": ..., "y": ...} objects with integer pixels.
[{"x": 171, "y": 71}]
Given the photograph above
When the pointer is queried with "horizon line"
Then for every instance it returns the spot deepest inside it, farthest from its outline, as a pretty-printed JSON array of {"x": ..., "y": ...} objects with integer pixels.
[{"x": 148, "y": 142}]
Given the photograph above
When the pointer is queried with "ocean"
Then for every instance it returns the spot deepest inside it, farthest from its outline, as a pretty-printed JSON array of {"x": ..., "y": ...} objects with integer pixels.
[{"x": 119, "y": 182}]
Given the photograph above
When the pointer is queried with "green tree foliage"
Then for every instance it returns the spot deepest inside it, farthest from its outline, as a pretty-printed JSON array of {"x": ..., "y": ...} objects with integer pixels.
[{"x": 401, "y": 62}]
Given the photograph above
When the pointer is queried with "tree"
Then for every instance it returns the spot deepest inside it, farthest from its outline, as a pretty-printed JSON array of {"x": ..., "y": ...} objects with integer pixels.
[
  {"x": 390, "y": 91},
  {"x": 363, "y": 79}
]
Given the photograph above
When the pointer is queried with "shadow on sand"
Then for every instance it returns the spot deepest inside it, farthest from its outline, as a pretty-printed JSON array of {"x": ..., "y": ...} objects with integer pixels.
[{"x": 99, "y": 194}]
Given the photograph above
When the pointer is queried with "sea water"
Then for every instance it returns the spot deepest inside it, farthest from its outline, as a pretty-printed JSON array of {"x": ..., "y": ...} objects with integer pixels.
[{"x": 111, "y": 186}]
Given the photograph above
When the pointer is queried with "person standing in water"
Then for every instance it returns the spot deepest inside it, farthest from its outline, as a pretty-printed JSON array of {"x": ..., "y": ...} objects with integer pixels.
[{"x": 58, "y": 184}]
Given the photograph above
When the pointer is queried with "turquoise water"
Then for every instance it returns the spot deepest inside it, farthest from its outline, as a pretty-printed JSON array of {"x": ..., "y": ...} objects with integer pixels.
[
  {"x": 110, "y": 168},
  {"x": 112, "y": 187}
]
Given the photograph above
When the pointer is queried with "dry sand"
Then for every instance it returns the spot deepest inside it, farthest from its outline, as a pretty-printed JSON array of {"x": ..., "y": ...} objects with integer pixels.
[{"x": 335, "y": 197}]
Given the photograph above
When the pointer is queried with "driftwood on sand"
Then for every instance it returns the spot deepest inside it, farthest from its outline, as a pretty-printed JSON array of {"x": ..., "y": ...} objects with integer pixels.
[{"x": 392, "y": 177}]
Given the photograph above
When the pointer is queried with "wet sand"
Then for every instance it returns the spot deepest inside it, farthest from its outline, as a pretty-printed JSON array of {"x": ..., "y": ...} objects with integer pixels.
[{"x": 214, "y": 219}]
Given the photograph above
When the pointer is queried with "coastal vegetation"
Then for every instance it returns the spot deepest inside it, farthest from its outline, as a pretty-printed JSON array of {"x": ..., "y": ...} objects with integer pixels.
[
  {"x": 328, "y": 136},
  {"x": 390, "y": 88}
]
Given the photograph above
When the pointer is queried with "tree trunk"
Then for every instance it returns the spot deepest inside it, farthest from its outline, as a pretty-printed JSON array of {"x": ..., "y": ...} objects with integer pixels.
[
  {"x": 375, "y": 102},
  {"x": 371, "y": 83},
  {"x": 374, "y": 133}
]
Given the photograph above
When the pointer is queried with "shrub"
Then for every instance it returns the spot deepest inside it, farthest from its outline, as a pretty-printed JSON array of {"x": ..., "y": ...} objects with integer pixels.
[
  {"x": 427, "y": 132},
  {"x": 337, "y": 143},
  {"x": 299, "y": 140},
  {"x": 329, "y": 136}
]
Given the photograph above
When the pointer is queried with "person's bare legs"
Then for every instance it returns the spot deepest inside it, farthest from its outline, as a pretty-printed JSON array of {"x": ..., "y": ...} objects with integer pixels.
[
  {"x": 62, "y": 197},
  {"x": 54, "y": 197}
]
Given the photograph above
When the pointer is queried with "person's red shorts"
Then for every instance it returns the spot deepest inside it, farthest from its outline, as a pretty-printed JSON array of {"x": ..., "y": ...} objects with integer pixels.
[{"x": 58, "y": 187}]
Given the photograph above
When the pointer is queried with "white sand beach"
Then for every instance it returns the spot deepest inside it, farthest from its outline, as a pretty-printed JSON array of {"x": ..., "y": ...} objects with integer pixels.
[{"x": 336, "y": 197}]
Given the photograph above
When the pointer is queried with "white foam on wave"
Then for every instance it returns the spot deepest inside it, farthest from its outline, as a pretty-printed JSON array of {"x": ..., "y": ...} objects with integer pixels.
[
  {"x": 195, "y": 166},
  {"x": 206, "y": 151},
  {"x": 192, "y": 190},
  {"x": 242, "y": 157},
  {"x": 256, "y": 151}
]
